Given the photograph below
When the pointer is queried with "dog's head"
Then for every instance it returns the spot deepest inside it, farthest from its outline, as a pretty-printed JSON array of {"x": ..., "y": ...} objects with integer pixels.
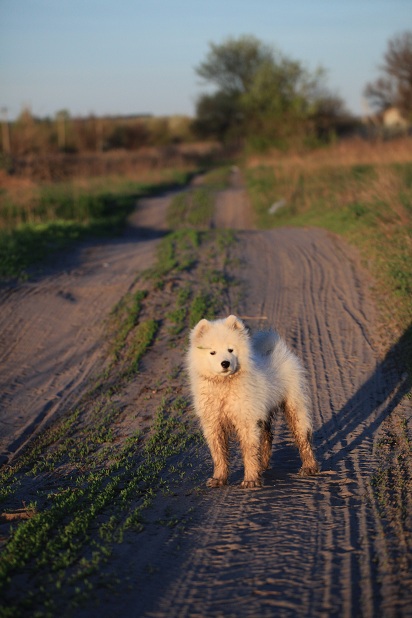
[{"x": 218, "y": 348}]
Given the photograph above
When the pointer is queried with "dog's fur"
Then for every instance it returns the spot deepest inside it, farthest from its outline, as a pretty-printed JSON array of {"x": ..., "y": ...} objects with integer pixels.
[{"x": 238, "y": 382}]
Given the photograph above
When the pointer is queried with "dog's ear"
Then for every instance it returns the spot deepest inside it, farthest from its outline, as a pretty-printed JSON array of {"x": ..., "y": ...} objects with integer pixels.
[
  {"x": 200, "y": 329},
  {"x": 234, "y": 322}
]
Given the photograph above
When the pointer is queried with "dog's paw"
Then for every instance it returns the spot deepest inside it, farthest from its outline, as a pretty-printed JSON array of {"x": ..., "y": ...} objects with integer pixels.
[
  {"x": 309, "y": 470},
  {"x": 212, "y": 482},
  {"x": 251, "y": 484}
]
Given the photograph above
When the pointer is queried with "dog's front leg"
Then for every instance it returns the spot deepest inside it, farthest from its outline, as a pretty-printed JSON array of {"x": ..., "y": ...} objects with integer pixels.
[{"x": 217, "y": 441}]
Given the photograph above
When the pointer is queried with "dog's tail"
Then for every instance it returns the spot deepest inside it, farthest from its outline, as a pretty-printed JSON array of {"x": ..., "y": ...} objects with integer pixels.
[{"x": 264, "y": 342}]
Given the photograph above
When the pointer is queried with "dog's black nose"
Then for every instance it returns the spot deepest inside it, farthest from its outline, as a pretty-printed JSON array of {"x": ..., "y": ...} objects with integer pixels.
[{"x": 225, "y": 364}]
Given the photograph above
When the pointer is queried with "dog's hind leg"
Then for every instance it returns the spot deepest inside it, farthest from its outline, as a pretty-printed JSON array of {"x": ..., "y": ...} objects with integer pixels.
[
  {"x": 217, "y": 441},
  {"x": 303, "y": 436},
  {"x": 250, "y": 443},
  {"x": 266, "y": 444}
]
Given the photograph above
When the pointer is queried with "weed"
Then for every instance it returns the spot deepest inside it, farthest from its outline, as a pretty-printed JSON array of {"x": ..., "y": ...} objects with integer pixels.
[
  {"x": 142, "y": 338},
  {"x": 176, "y": 252},
  {"x": 202, "y": 306},
  {"x": 191, "y": 209},
  {"x": 124, "y": 318}
]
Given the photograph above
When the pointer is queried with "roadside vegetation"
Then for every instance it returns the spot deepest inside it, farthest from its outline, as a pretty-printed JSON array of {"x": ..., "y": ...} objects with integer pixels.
[
  {"x": 361, "y": 191},
  {"x": 64, "y": 133},
  {"x": 38, "y": 218}
]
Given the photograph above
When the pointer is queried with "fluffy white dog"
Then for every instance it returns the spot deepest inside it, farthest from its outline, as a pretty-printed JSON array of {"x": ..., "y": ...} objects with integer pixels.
[{"x": 238, "y": 383}]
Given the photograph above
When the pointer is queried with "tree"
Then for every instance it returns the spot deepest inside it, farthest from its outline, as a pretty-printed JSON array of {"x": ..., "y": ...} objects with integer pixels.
[
  {"x": 218, "y": 115},
  {"x": 394, "y": 86},
  {"x": 260, "y": 92},
  {"x": 232, "y": 65}
]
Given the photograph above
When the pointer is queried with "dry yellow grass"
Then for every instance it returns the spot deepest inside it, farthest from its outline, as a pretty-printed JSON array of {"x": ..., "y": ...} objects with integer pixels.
[{"x": 348, "y": 152}]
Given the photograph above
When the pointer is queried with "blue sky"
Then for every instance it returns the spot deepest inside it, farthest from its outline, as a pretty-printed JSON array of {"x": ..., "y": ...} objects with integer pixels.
[{"x": 137, "y": 56}]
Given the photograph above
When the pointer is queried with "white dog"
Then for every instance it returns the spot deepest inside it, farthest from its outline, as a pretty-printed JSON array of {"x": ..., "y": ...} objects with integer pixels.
[{"x": 238, "y": 383}]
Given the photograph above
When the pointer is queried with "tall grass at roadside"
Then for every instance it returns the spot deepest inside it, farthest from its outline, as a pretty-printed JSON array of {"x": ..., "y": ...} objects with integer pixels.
[{"x": 369, "y": 204}]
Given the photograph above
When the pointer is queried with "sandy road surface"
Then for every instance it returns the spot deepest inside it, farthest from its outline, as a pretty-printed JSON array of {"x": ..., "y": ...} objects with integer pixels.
[{"x": 297, "y": 547}]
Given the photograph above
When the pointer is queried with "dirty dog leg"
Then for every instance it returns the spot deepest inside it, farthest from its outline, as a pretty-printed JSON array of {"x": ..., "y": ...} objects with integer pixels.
[
  {"x": 303, "y": 439},
  {"x": 266, "y": 445},
  {"x": 217, "y": 441},
  {"x": 250, "y": 443}
]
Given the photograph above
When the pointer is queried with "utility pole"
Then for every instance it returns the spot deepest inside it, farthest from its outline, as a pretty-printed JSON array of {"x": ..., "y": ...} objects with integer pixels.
[{"x": 5, "y": 132}]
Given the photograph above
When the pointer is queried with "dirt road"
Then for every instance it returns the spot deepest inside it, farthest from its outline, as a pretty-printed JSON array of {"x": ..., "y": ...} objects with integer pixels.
[
  {"x": 298, "y": 547},
  {"x": 314, "y": 546}
]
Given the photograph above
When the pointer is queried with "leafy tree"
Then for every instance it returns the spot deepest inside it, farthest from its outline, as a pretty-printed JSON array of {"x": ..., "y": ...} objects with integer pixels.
[
  {"x": 260, "y": 92},
  {"x": 232, "y": 66},
  {"x": 394, "y": 86},
  {"x": 218, "y": 115}
]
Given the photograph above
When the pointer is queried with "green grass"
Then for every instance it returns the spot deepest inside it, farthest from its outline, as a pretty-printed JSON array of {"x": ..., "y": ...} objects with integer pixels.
[
  {"x": 71, "y": 534},
  {"x": 176, "y": 252},
  {"x": 124, "y": 317},
  {"x": 193, "y": 208}
]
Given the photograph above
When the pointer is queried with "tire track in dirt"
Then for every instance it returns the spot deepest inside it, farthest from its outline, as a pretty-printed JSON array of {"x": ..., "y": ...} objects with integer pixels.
[
  {"x": 314, "y": 546},
  {"x": 52, "y": 328},
  {"x": 232, "y": 208}
]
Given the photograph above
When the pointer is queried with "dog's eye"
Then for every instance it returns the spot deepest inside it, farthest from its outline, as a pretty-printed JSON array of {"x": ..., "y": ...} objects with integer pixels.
[
  {"x": 230, "y": 350},
  {"x": 212, "y": 353}
]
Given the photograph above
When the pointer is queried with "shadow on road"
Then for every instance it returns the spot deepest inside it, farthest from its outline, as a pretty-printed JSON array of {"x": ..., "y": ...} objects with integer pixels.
[{"x": 374, "y": 401}]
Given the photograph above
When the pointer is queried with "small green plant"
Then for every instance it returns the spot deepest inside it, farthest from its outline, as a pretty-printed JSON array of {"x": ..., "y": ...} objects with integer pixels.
[
  {"x": 191, "y": 209},
  {"x": 124, "y": 318},
  {"x": 176, "y": 252},
  {"x": 140, "y": 340},
  {"x": 202, "y": 306}
]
